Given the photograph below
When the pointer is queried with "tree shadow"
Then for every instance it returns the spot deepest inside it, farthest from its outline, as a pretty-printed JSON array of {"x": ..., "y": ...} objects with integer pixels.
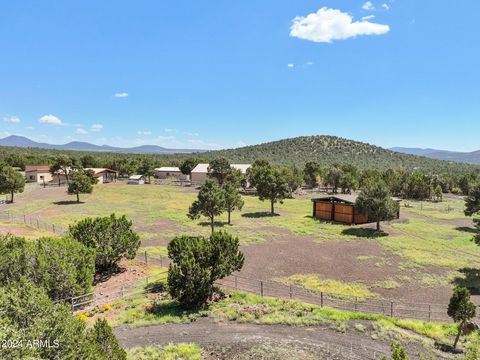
[
  {"x": 217, "y": 224},
  {"x": 68, "y": 202},
  {"x": 364, "y": 233},
  {"x": 470, "y": 280},
  {"x": 467, "y": 229},
  {"x": 105, "y": 275},
  {"x": 259, "y": 214}
]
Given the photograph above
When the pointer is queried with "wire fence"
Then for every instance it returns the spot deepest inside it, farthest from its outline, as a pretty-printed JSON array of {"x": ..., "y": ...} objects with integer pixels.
[{"x": 32, "y": 221}]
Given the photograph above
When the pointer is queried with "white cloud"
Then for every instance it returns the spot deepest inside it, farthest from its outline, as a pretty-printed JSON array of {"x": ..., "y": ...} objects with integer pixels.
[
  {"x": 385, "y": 6},
  {"x": 327, "y": 25},
  {"x": 12, "y": 119},
  {"x": 81, "y": 131},
  {"x": 369, "y": 17},
  {"x": 164, "y": 138},
  {"x": 121, "y": 95},
  {"x": 96, "y": 127},
  {"x": 309, "y": 62},
  {"x": 50, "y": 119},
  {"x": 144, "y": 133},
  {"x": 170, "y": 130},
  {"x": 30, "y": 128},
  {"x": 241, "y": 143},
  {"x": 291, "y": 66},
  {"x": 191, "y": 134},
  {"x": 368, "y": 6},
  {"x": 4, "y": 134}
]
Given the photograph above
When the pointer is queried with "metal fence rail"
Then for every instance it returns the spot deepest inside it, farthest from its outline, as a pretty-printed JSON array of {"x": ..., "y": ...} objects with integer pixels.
[{"x": 32, "y": 221}]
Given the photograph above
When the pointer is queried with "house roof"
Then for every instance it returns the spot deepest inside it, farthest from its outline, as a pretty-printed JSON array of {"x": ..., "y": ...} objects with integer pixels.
[
  {"x": 203, "y": 168},
  {"x": 168, "y": 168},
  {"x": 346, "y": 198},
  {"x": 37, "y": 168},
  {"x": 98, "y": 171}
]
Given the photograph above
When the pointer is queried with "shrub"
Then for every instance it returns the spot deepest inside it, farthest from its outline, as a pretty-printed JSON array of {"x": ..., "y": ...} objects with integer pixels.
[
  {"x": 112, "y": 238},
  {"x": 197, "y": 263},
  {"x": 62, "y": 266}
]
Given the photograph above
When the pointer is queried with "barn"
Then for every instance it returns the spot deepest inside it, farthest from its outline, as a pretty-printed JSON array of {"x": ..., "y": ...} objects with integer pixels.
[
  {"x": 340, "y": 208},
  {"x": 200, "y": 172},
  {"x": 167, "y": 172}
]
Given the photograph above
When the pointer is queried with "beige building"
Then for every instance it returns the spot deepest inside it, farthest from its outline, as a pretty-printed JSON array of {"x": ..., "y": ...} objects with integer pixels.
[
  {"x": 38, "y": 173},
  {"x": 167, "y": 172},
  {"x": 200, "y": 173}
]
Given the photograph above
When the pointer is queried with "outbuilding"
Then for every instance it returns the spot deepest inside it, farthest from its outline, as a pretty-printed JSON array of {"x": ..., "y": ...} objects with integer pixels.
[
  {"x": 340, "y": 208},
  {"x": 170, "y": 172},
  {"x": 136, "y": 180},
  {"x": 38, "y": 173},
  {"x": 104, "y": 175},
  {"x": 200, "y": 172}
]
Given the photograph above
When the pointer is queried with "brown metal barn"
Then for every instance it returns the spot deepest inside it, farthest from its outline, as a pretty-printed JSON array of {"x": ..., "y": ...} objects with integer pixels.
[{"x": 340, "y": 208}]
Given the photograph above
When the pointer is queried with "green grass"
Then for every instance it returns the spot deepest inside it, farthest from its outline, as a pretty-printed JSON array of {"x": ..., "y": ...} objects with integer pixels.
[
  {"x": 23, "y": 230},
  {"x": 386, "y": 284},
  {"x": 338, "y": 288},
  {"x": 170, "y": 352},
  {"x": 156, "y": 252},
  {"x": 426, "y": 243},
  {"x": 449, "y": 208}
]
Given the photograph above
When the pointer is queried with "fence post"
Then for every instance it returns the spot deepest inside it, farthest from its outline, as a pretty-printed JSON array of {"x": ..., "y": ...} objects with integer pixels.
[
  {"x": 236, "y": 282},
  {"x": 146, "y": 260},
  {"x": 321, "y": 299},
  {"x": 391, "y": 309},
  {"x": 53, "y": 228},
  {"x": 122, "y": 292},
  {"x": 291, "y": 292},
  {"x": 261, "y": 288},
  {"x": 429, "y": 312},
  {"x": 38, "y": 224},
  {"x": 355, "y": 305},
  {"x": 24, "y": 219}
]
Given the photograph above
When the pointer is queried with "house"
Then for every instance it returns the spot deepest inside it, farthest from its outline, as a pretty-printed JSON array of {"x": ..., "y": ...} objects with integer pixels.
[
  {"x": 200, "y": 172},
  {"x": 340, "y": 208},
  {"x": 104, "y": 175},
  {"x": 136, "y": 180},
  {"x": 166, "y": 172},
  {"x": 38, "y": 173}
]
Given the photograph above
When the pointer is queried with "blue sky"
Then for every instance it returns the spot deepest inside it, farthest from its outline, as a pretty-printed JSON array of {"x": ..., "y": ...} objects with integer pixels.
[{"x": 210, "y": 74}]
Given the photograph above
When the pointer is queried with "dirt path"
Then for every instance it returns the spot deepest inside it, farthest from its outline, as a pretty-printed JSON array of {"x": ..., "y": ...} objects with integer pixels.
[{"x": 209, "y": 334}]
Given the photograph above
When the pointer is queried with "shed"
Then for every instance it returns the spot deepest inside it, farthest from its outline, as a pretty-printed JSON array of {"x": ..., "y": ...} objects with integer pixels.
[
  {"x": 200, "y": 172},
  {"x": 340, "y": 208},
  {"x": 167, "y": 172},
  {"x": 136, "y": 180},
  {"x": 107, "y": 175}
]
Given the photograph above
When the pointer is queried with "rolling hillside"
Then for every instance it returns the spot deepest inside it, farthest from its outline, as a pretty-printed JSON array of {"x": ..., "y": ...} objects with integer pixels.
[{"x": 331, "y": 149}]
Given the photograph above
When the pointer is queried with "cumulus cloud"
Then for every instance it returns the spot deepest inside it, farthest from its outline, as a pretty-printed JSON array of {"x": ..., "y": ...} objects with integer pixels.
[
  {"x": 369, "y": 17},
  {"x": 309, "y": 62},
  {"x": 170, "y": 130},
  {"x": 96, "y": 127},
  {"x": 386, "y": 6},
  {"x": 328, "y": 24},
  {"x": 144, "y": 132},
  {"x": 81, "y": 131},
  {"x": 11, "y": 119},
  {"x": 121, "y": 95},
  {"x": 4, "y": 134},
  {"x": 191, "y": 134},
  {"x": 50, "y": 119},
  {"x": 368, "y": 6},
  {"x": 291, "y": 66}
]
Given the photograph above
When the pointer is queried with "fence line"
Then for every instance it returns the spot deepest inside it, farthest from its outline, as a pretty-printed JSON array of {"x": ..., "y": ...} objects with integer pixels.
[{"x": 33, "y": 222}]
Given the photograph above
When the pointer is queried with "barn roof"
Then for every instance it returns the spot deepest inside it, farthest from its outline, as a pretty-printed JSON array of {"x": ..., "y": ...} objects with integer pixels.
[
  {"x": 168, "y": 168},
  {"x": 136, "y": 177},
  {"x": 98, "y": 171},
  {"x": 203, "y": 168},
  {"x": 345, "y": 198}
]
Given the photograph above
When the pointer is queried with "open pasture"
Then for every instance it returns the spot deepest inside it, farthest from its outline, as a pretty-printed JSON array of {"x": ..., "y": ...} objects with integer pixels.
[{"x": 419, "y": 257}]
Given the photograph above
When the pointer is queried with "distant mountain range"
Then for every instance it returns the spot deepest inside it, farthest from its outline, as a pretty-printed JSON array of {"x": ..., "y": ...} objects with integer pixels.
[
  {"x": 463, "y": 157},
  {"x": 21, "y": 141}
]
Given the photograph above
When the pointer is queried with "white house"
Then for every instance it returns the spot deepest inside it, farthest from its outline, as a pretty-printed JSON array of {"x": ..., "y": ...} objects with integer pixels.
[
  {"x": 167, "y": 172},
  {"x": 200, "y": 172},
  {"x": 136, "y": 180}
]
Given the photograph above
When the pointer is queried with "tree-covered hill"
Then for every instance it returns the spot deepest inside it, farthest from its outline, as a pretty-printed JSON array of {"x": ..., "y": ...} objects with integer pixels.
[{"x": 331, "y": 149}]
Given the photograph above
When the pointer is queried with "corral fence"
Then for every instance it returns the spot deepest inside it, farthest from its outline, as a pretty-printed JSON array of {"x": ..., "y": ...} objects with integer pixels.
[
  {"x": 32, "y": 221},
  {"x": 395, "y": 308}
]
